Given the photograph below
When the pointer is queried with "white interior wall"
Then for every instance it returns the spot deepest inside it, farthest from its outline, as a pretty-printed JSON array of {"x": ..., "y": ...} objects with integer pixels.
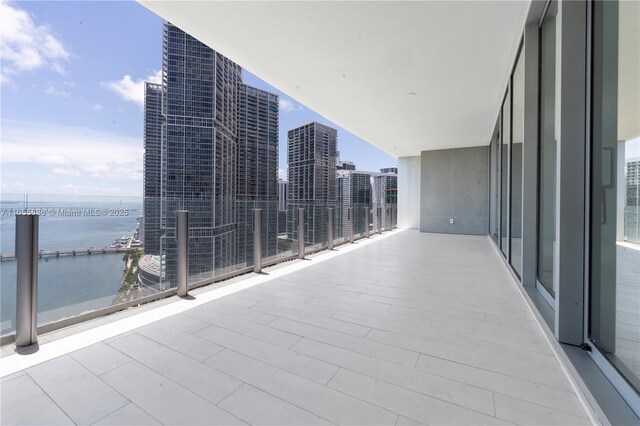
[{"x": 409, "y": 195}]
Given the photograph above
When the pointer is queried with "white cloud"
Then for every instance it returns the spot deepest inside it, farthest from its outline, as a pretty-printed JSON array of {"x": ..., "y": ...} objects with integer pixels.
[
  {"x": 46, "y": 158},
  {"x": 66, "y": 171},
  {"x": 26, "y": 46},
  {"x": 80, "y": 156},
  {"x": 97, "y": 107},
  {"x": 132, "y": 90},
  {"x": 286, "y": 105},
  {"x": 52, "y": 91}
]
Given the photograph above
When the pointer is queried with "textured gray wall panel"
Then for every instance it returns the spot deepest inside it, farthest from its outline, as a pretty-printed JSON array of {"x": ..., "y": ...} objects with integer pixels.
[{"x": 454, "y": 185}]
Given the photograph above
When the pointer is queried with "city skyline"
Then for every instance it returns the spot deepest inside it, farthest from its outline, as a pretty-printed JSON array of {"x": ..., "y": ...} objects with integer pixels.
[{"x": 74, "y": 122}]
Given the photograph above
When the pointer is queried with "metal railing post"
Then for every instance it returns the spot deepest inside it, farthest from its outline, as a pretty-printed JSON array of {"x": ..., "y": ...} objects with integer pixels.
[
  {"x": 330, "y": 228},
  {"x": 27, "y": 279},
  {"x": 379, "y": 220},
  {"x": 257, "y": 240},
  {"x": 351, "y": 220},
  {"x": 366, "y": 222},
  {"x": 182, "y": 239},
  {"x": 301, "y": 233}
]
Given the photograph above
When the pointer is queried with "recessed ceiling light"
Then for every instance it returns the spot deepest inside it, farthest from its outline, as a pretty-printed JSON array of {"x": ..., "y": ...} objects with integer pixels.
[{"x": 411, "y": 93}]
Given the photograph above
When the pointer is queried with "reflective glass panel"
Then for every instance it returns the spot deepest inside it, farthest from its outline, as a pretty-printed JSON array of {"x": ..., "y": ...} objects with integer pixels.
[
  {"x": 614, "y": 313},
  {"x": 547, "y": 153}
]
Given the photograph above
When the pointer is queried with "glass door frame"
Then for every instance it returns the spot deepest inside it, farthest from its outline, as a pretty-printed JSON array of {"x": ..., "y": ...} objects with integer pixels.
[
  {"x": 546, "y": 295},
  {"x": 494, "y": 180},
  {"x": 519, "y": 56},
  {"x": 506, "y": 252},
  {"x": 617, "y": 379}
]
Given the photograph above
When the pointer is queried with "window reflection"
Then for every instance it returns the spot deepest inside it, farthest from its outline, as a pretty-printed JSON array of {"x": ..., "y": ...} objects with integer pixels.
[
  {"x": 516, "y": 166},
  {"x": 505, "y": 137},
  {"x": 547, "y": 153},
  {"x": 614, "y": 316}
]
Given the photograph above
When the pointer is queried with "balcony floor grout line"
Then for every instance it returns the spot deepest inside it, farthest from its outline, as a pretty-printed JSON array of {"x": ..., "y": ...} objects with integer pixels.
[
  {"x": 586, "y": 406},
  {"x": 50, "y": 350}
]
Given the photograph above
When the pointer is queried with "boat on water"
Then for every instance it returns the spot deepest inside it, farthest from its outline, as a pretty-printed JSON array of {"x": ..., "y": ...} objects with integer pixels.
[{"x": 120, "y": 242}]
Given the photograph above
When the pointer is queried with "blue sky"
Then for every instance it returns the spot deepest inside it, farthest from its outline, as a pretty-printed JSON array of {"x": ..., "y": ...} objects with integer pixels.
[{"x": 71, "y": 98}]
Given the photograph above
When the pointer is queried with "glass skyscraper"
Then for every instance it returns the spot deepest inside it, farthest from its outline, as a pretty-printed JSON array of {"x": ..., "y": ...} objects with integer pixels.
[
  {"x": 152, "y": 166},
  {"x": 257, "y": 169},
  {"x": 199, "y": 152},
  {"x": 312, "y": 152},
  {"x": 215, "y": 145},
  {"x": 385, "y": 194},
  {"x": 354, "y": 190}
]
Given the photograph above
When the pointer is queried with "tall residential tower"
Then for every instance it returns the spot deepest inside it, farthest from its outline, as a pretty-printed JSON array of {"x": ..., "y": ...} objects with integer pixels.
[
  {"x": 312, "y": 178},
  {"x": 199, "y": 152},
  {"x": 211, "y": 147},
  {"x": 257, "y": 169},
  {"x": 152, "y": 167}
]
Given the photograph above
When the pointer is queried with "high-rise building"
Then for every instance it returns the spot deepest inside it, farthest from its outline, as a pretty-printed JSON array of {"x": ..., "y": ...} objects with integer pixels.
[
  {"x": 199, "y": 152},
  {"x": 632, "y": 182},
  {"x": 632, "y": 201},
  {"x": 312, "y": 178},
  {"x": 385, "y": 194},
  {"x": 257, "y": 169},
  {"x": 354, "y": 190},
  {"x": 389, "y": 170},
  {"x": 345, "y": 165},
  {"x": 152, "y": 168}
]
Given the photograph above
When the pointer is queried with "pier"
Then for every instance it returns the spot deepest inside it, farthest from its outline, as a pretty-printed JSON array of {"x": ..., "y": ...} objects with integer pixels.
[{"x": 70, "y": 252}]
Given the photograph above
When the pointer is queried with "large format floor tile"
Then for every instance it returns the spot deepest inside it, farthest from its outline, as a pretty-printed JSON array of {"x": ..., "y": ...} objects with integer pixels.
[{"x": 407, "y": 330}]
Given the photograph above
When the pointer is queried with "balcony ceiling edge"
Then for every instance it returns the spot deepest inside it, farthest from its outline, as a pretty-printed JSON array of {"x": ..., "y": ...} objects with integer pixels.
[{"x": 404, "y": 76}]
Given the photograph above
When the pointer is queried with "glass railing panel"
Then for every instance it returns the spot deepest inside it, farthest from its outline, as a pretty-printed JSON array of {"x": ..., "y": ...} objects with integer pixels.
[
  {"x": 88, "y": 252},
  {"x": 220, "y": 238},
  {"x": 340, "y": 233},
  {"x": 375, "y": 218},
  {"x": 316, "y": 226},
  {"x": 360, "y": 218},
  {"x": 123, "y": 254},
  {"x": 632, "y": 222},
  {"x": 395, "y": 215},
  {"x": 286, "y": 240}
]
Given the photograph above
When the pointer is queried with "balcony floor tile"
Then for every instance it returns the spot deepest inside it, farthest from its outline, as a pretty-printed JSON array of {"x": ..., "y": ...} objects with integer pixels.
[{"x": 406, "y": 329}]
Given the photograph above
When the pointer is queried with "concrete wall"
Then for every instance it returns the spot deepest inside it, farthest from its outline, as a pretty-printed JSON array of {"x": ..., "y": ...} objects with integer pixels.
[
  {"x": 409, "y": 192},
  {"x": 454, "y": 185}
]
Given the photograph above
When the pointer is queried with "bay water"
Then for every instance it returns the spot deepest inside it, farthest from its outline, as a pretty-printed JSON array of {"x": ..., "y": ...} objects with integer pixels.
[{"x": 67, "y": 285}]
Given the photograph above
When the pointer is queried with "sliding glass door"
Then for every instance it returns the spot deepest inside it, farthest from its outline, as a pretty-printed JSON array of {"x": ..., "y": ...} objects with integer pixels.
[
  {"x": 494, "y": 181},
  {"x": 547, "y": 151},
  {"x": 505, "y": 139},
  {"x": 517, "y": 144},
  {"x": 614, "y": 276}
]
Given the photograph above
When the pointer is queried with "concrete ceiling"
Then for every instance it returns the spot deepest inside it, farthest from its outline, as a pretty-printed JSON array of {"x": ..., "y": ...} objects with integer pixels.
[{"x": 404, "y": 76}]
